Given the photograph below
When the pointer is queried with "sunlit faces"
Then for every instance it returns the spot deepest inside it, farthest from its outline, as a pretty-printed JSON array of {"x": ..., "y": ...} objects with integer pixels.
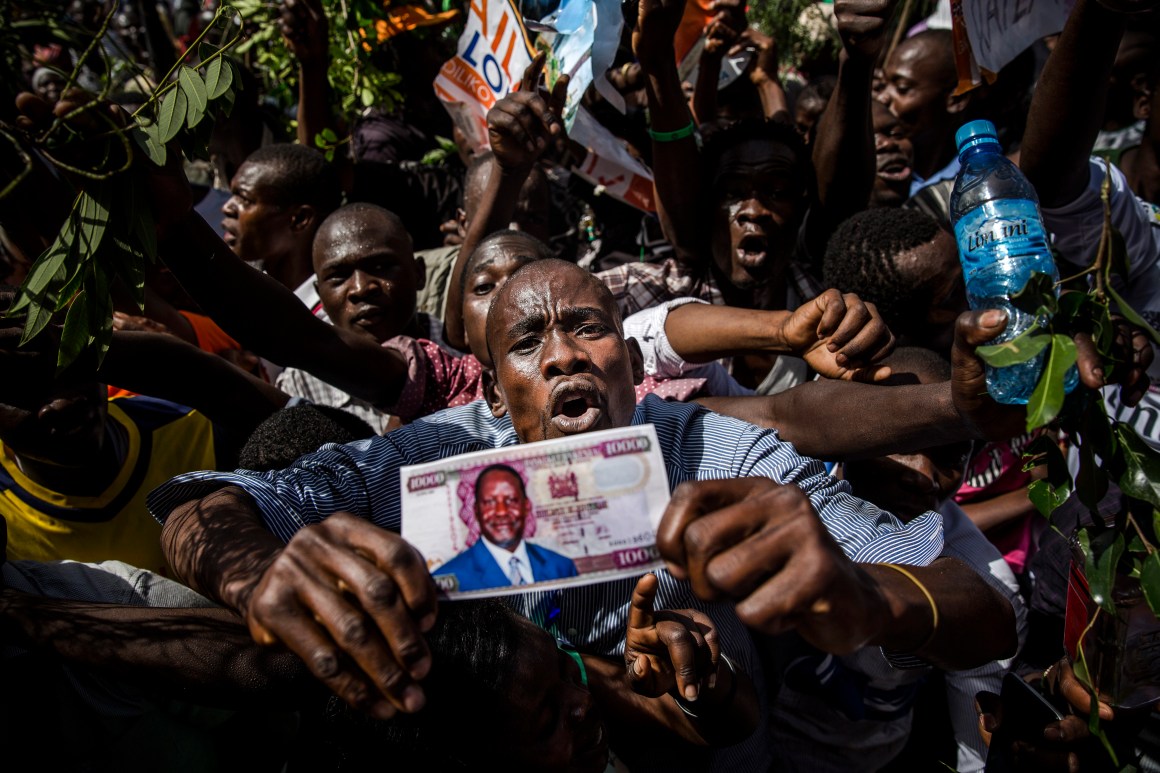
[
  {"x": 257, "y": 225},
  {"x": 562, "y": 365},
  {"x": 759, "y": 200},
  {"x": 894, "y": 159},
  {"x": 367, "y": 275},
  {"x": 496, "y": 259},
  {"x": 919, "y": 78}
]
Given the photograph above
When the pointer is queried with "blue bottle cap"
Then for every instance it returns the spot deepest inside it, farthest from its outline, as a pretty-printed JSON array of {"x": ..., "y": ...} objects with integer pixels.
[{"x": 975, "y": 133}]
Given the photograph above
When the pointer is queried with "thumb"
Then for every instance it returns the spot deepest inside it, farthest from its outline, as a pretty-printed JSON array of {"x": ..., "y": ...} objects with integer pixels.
[{"x": 640, "y": 613}]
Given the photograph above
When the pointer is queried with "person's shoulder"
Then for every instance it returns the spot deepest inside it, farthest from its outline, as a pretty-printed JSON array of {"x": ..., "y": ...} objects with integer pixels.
[
  {"x": 150, "y": 413},
  {"x": 470, "y": 427}
]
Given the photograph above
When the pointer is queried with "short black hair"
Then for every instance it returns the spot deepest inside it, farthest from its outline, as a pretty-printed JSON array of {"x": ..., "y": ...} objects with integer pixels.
[
  {"x": 860, "y": 259},
  {"x": 474, "y": 646},
  {"x": 916, "y": 365},
  {"x": 538, "y": 251},
  {"x": 721, "y": 138},
  {"x": 500, "y": 467},
  {"x": 291, "y": 433},
  {"x": 818, "y": 89},
  {"x": 300, "y": 175}
]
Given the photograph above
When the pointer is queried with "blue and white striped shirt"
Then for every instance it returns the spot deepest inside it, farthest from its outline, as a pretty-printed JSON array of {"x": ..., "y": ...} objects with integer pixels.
[{"x": 363, "y": 478}]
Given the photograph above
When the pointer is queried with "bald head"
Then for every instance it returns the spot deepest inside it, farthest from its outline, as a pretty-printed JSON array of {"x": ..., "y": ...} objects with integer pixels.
[
  {"x": 933, "y": 51},
  {"x": 355, "y": 221}
]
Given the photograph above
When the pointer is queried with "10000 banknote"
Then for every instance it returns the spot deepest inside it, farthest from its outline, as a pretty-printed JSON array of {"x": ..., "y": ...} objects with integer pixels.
[{"x": 557, "y": 513}]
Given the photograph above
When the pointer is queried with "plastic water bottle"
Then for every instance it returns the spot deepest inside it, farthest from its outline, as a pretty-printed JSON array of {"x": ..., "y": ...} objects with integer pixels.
[{"x": 1002, "y": 242}]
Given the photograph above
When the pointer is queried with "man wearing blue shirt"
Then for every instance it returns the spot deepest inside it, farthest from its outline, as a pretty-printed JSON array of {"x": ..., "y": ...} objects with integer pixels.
[{"x": 353, "y": 600}]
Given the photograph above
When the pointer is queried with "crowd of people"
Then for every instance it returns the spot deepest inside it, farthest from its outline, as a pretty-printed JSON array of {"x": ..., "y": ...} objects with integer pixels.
[{"x": 202, "y": 562}]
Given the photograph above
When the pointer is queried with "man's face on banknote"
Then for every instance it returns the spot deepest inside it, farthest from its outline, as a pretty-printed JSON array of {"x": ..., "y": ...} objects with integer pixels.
[
  {"x": 562, "y": 365},
  {"x": 501, "y": 507}
]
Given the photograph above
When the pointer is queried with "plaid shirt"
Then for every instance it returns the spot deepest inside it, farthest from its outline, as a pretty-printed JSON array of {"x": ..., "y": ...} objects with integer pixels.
[{"x": 639, "y": 286}]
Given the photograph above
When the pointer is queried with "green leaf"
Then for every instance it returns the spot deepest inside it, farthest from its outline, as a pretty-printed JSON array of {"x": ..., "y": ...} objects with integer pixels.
[
  {"x": 94, "y": 221},
  {"x": 1047, "y": 497},
  {"x": 329, "y": 136},
  {"x": 1048, "y": 396},
  {"x": 47, "y": 268},
  {"x": 100, "y": 311},
  {"x": 75, "y": 335},
  {"x": 39, "y": 315},
  {"x": 171, "y": 117},
  {"x": 1150, "y": 582},
  {"x": 189, "y": 81},
  {"x": 1100, "y": 568},
  {"x": 1037, "y": 294},
  {"x": 148, "y": 138},
  {"x": 1092, "y": 481},
  {"x": 1019, "y": 349},
  {"x": 218, "y": 78},
  {"x": 1141, "y": 475},
  {"x": 1132, "y": 316}
]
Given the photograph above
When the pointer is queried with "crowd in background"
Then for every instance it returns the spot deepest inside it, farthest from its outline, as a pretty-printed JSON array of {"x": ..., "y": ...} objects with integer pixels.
[{"x": 203, "y": 568}]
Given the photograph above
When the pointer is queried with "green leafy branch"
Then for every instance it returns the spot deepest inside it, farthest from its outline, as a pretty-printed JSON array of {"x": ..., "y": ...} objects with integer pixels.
[{"x": 109, "y": 236}]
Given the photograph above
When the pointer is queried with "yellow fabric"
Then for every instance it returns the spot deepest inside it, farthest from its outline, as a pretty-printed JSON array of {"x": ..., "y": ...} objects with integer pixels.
[{"x": 131, "y": 534}]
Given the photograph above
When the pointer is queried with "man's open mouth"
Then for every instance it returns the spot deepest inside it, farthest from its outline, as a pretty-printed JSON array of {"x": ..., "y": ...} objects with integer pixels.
[
  {"x": 752, "y": 250},
  {"x": 576, "y": 407},
  {"x": 894, "y": 169}
]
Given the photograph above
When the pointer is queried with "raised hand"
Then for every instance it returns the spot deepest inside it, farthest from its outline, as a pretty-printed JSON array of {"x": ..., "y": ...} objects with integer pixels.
[
  {"x": 725, "y": 27},
  {"x": 352, "y": 600},
  {"x": 668, "y": 649},
  {"x": 304, "y": 26},
  {"x": 761, "y": 545},
  {"x": 840, "y": 336},
  {"x": 523, "y": 125},
  {"x": 652, "y": 40},
  {"x": 862, "y": 26}
]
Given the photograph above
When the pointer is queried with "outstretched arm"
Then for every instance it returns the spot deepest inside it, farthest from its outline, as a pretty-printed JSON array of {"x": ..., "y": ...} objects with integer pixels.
[
  {"x": 786, "y": 572},
  {"x": 1060, "y": 128},
  {"x": 202, "y": 654},
  {"x": 304, "y": 28}
]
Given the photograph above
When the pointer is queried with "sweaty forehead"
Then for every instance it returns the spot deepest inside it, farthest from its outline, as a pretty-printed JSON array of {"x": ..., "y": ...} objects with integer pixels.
[
  {"x": 921, "y": 59},
  {"x": 546, "y": 285},
  {"x": 344, "y": 237}
]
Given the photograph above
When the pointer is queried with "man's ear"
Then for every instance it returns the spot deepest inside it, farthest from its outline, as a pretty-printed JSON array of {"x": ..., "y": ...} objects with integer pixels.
[
  {"x": 493, "y": 394},
  {"x": 958, "y": 103},
  {"x": 420, "y": 273},
  {"x": 302, "y": 217},
  {"x": 637, "y": 358}
]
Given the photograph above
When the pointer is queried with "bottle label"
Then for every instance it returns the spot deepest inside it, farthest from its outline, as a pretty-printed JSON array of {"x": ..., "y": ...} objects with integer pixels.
[{"x": 1004, "y": 228}]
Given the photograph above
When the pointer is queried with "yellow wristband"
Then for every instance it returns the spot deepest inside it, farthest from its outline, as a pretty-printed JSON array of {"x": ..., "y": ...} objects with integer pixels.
[{"x": 933, "y": 606}]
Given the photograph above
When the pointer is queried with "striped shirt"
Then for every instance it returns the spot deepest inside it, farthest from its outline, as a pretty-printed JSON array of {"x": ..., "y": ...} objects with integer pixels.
[{"x": 362, "y": 478}]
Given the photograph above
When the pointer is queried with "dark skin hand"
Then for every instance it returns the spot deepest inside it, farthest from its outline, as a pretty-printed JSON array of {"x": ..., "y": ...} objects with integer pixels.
[
  {"x": 349, "y": 598},
  {"x": 838, "y": 335},
  {"x": 521, "y": 128},
  {"x": 667, "y": 653},
  {"x": 304, "y": 28},
  {"x": 762, "y": 545},
  {"x": 1066, "y": 745}
]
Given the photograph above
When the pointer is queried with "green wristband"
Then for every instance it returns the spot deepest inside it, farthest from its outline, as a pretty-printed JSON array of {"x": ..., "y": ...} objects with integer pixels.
[{"x": 679, "y": 134}]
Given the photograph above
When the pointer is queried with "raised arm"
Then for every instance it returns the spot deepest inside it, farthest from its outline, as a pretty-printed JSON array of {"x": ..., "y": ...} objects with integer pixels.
[
  {"x": 843, "y": 151},
  {"x": 1061, "y": 129},
  {"x": 520, "y": 128},
  {"x": 304, "y": 28},
  {"x": 676, "y": 161}
]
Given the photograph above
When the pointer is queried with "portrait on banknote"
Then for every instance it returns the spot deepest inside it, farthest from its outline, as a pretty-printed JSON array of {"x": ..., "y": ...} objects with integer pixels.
[{"x": 553, "y": 514}]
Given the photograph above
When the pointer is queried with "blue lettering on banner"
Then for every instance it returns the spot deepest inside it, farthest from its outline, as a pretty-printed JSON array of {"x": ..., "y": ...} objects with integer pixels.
[
  {"x": 471, "y": 47},
  {"x": 498, "y": 83}
]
